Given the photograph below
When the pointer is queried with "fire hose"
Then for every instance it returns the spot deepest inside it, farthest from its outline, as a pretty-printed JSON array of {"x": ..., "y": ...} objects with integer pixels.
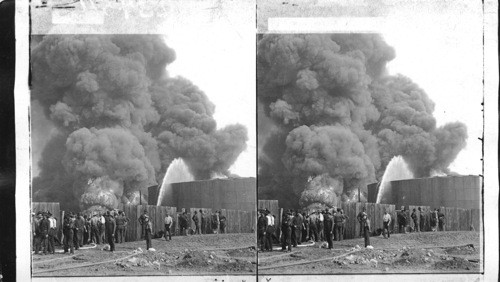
[{"x": 88, "y": 264}]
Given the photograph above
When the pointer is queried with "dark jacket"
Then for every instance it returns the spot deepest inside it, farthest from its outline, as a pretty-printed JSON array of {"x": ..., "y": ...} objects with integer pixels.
[
  {"x": 110, "y": 225},
  {"x": 262, "y": 223},
  {"x": 328, "y": 223},
  {"x": 43, "y": 227}
]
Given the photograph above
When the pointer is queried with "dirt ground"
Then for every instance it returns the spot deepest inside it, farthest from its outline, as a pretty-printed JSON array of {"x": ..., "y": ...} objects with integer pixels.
[
  {"x": 403, "y": 253},
  {"x": 184, "y": 255}
]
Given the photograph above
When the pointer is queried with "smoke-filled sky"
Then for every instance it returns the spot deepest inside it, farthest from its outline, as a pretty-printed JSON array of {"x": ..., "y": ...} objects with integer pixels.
[
  {"x": 434, "y": 70},
  {"x": 118, "y": 118},
  {"x": 339, "y": 117}
]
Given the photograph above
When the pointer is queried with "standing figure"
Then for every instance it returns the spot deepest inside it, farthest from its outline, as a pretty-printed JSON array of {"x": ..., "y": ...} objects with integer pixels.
[
  {"x": 68, "y": 226},
  {"x": 143, "y": 223},
  {"x": 434, "y": 220},
  {"x": 203, "y": 221},
  {"x": 441, "y": 221},
  {"x": 110, "y": 224},
  {"x": 313, "y": 230},
  {"x": 261, "y": 230},
  {"x": 43, "y": 234},
  {"x": 102, "y": 228},
  {"x": 148, "y": 229},
  {"x": 329, "y": 224},
  {"x": 286, "y": 231},
  {"x": 422, "y": 219},
  {"x": 269, "y": 231},
  {"x": 196, "y": 223},
  {"x": 222, "y": 224},
  {"x": 321, "y": 226},
  {"x": 297, "y": 229},
  {"x": 80, "y": 229},
  {"x": 183, "y": 223},
  {"x": 366, "y": 229},
  {"x": 305, "y": 229},
  {"x": 86, "y": 229},
  {"x": 402, "y": 220},
  {"x": 95, "y": 223},
  {"x": 387, "y": 222},
  {"x": 168, "y": 227},
  {"x": 345, "y": 218},
  {"x": 52, "y": 233},
  {"x": 215, "y": 222},
  {"x": 120, "y": 227},
  {"x": 360, "y": 220},
  {"x": 339, "y": 225},
  {"x": 414, "y": 218}
]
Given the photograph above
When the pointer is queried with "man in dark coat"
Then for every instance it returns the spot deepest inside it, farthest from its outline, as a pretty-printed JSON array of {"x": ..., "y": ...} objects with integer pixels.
[
  {"x": 183, "y": 223},
  {"x": 120, "y": 227},
  {"x": 299, "y": 225},
  {"x": 441, "y": 222},
  {"x": 196, "y": 221},
  {"x": 79, "y": 229},
  {"x": 222, "y": 223},
  {"x": 148, "y": 229},
  {"x": 142, "y": 222},
  {"x": 422, "y": 219},
  {"x": 360, "y": 220},
  {"x": 52, "y": 232},
  {"x": 402, "y": 220},
  {"x": 329, "y": 223},
  {"x": 43, "y": 234},
  {"x": 261, "y": 228},
  {"x": 68, "y": 229},
  {"x": 203, "y": 220},
  {"x": 339, "y": 225},
  {"x": 286, "y": 231},
  {"x": 305, "y": 230},
  {"x": 414, "y": 218},
  {"x": 110, "y": 230}
]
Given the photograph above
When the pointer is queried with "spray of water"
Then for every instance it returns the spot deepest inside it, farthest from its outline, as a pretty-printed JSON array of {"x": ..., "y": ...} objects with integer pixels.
[
  {"x": 177, "y": 171},
  {"x": 397, "y": 169}
]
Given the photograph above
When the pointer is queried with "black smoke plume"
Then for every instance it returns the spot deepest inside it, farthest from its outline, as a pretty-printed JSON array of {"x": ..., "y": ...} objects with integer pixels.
[
  {"x": 332, "y": 119},
  {"x": 119, "y": 120}
]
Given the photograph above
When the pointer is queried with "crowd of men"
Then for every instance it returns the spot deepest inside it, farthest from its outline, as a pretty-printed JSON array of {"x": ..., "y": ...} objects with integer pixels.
[
  {"x": 299, "y": 227},
  {"x": 330, "y": 225},
  {"x": 78, "y": 230}
]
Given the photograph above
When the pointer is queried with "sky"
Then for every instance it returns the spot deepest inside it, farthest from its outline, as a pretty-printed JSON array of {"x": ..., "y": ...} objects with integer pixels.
[
  {"x": 441, "y": 50},
  {"x": 215, "y": 49}
]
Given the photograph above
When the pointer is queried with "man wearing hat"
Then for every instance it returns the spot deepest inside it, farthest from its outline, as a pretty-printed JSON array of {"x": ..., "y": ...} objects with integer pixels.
[
  {"x": 329, "y": 224},
  {"x": 68, "y": 227},
  {"x": 222, "y": 223},
  {"x": 94, "y": 226},
  {"x": 110, "y": 230},
  {"x": 269, "y": 231},
  {"x": 143, "y": 222},
  {"x": 338, "y": 219},
  {"x": 148, "y": 229},
  {"x": 286, "y": 230},
  {"x": 52, "y": 232},
  {"x": 360, "y": 220},
  {"x": 402, "y": 220},
  {"x": 261, "y": 229},
  {"x": 313, "y": 230},
  {"x": 43, "y": 234},
  {"x": 298, "y": 222},
  {"x": 79, "y": 229},
  {"x": 102, "y": 228},
  {"x": 120, "y": 227}
]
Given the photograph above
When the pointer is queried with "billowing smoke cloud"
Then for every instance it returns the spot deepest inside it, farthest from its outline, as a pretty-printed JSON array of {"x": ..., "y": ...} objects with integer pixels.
[
  {"x": 120, "y": 119},
  {"x": 336, "y": 113}
]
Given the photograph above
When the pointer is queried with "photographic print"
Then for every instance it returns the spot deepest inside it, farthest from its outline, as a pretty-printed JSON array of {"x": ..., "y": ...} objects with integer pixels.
[
  {"x": 143, "y": 151},
  {"x": 369, "y": 140}
]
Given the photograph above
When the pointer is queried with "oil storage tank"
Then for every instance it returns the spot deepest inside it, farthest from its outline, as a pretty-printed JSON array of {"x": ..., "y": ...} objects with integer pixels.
[
  {"x": 443, "y": 191},
  {"x": 227, "y": 193}
]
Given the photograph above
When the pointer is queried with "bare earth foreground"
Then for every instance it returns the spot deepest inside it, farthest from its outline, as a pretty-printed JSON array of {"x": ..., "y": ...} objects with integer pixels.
[
  {"x": 231, "y": 254},
  {"x": 427, "y": 252}
]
